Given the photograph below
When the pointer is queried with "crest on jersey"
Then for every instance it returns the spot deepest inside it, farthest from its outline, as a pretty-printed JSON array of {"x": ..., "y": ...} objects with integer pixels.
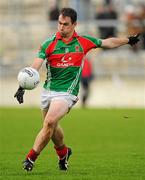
[{"x": 77, "y": 48}]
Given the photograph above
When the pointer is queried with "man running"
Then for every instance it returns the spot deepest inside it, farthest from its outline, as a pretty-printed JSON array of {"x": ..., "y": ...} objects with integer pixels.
[{"x": 65, "y": 53}]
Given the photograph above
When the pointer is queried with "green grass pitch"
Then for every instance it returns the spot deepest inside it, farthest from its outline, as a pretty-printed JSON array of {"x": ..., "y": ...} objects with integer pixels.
[{"x": 107, "y": 144}]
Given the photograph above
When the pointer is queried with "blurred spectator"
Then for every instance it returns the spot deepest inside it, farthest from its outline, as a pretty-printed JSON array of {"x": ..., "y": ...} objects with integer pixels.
[
  {"x": 86, "y": 78},
  {"x": 108, "y": 2},
  {"x": 142, "y": 19},
  {"x": 107, "y": 13},
  {"x": 132, "y": 19},
  {"x": 53, "y": 12}
]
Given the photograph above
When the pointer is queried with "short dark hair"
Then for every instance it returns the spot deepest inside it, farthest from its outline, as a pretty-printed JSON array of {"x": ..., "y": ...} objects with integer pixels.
[{"x": 70, "y": 13}]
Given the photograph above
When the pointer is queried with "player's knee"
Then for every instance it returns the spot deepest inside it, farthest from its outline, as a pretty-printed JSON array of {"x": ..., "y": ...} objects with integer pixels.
[{"x": 50, "y": 122}]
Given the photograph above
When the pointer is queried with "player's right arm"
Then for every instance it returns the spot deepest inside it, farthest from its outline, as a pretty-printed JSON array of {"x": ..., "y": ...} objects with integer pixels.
[
  {"x": 37, "y": 63},
  {"x": 40, "y": 57},
  {"x": 41, "y": 54}
]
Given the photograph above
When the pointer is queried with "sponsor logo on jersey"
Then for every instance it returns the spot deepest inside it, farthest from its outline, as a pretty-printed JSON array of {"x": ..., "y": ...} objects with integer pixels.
[{"x": 65, "y": 62}]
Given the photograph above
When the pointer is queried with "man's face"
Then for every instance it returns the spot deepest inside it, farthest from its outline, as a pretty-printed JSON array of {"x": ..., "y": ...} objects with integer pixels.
[{"x": 65, "y": 26}]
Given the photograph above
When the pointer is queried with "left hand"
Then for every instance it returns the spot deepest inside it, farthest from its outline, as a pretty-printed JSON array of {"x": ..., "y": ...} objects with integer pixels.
[{"x": 133, "y": 39}]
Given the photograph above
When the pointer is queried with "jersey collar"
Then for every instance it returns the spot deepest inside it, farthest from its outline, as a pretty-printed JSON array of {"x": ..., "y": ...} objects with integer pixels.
[{"x": 58, "y": 36}]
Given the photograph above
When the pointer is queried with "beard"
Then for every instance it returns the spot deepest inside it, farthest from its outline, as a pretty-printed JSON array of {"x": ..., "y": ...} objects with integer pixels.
[{"x": 63, "y": 34}]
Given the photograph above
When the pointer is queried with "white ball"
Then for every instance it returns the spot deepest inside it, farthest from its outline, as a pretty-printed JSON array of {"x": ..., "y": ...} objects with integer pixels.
[{"x": 28, "y": 78}]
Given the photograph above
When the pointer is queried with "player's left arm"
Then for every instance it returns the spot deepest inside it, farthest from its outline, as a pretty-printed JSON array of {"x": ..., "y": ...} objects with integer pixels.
[{"x": 115, "y": 42}]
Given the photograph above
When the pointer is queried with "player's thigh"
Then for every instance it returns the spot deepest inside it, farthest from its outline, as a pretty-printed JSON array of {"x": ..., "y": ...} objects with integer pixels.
[
  {"x": 44, "y": 112},
  {"x": 57, "y": 109}
]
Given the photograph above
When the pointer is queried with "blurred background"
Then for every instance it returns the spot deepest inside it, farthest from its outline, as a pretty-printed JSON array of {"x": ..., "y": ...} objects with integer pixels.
[{"x": 118, "y": 75}]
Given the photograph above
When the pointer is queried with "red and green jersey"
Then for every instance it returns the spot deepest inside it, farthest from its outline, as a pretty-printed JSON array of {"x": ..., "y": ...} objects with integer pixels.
[{"x": 65, "y": 61}]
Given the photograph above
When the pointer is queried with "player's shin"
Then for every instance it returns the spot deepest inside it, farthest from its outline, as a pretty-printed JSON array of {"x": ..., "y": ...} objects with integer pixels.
[
  {"x": 32, "y": 155},
  {"x": 61, "y": 151}
]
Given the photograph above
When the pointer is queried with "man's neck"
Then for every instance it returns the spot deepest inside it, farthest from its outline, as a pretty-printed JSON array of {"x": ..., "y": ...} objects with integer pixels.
[{"x": 68, "y": 38}]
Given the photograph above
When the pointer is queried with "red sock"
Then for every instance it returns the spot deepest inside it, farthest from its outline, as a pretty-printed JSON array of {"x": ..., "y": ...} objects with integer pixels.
[
  {"x": 32, "y": 155},
  {"x": 61, "y": 151}
]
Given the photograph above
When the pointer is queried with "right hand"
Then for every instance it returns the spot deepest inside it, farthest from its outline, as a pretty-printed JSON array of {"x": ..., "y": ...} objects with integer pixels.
[{"x": 19, "y": 95}]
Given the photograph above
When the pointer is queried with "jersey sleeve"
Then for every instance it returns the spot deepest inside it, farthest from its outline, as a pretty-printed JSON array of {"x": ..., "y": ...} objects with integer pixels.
[
  {"x": 41, "y": 53},
  {"x": 42, "y": 50},
  {"x": 95, "y": 42}
]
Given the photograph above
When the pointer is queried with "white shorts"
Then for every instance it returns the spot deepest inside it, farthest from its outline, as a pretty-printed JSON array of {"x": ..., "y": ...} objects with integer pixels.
[{"x": 47, "y": 96}]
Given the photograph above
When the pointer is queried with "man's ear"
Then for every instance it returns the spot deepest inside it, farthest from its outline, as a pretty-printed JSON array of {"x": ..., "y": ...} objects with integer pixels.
[{"x": 75, "y": 23}]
